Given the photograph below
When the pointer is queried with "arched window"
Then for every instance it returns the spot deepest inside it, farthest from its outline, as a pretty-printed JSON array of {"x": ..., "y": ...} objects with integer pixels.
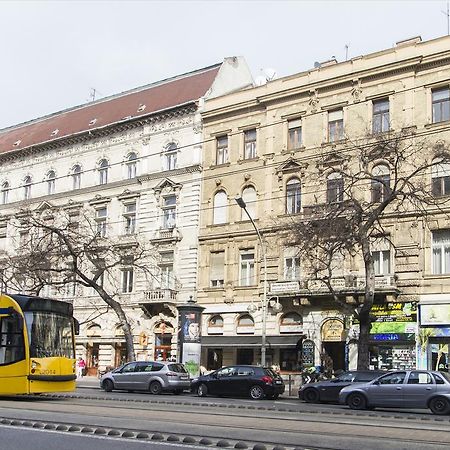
[
  {"x": 93, "y": 330},
  {"x": 381, "y": 183},
  {"x": 170, "y": 156},
  {"x": 249, "y": 197},
  {"x": 76, "y": 176},
  {"x": 440, "y": 174},
  {"x": 335, "y": 188},
  {"x": 220, "y": 207},
  {"x": 291, "y": 323},
  {"x": 131, "y": 165},
  {"x": 215, "y": 325},
  {"x": 5, "y": 193},
  {"x": 103, "y": 171},
  {"x": 27, "y": 182},
  {"x": 293, "y": 196},
  {"x": 245, "y": 324},
  {"x": 51, "y": 177}
]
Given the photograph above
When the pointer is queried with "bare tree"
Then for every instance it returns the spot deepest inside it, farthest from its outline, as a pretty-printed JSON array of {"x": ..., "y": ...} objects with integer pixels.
[
  {"x": 57, "y": 248},
  {"x": 374, "y": 182}
]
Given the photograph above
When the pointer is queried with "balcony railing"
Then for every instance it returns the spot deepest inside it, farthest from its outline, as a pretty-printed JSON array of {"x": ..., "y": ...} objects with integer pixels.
[{"x": 160, "y": 295}]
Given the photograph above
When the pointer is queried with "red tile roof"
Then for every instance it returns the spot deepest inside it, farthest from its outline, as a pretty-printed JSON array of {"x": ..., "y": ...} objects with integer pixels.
[{"x": 156, "y": 97}]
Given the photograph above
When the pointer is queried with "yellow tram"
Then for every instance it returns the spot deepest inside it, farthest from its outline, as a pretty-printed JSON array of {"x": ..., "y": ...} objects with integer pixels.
[{"x": 37, "y": 348}]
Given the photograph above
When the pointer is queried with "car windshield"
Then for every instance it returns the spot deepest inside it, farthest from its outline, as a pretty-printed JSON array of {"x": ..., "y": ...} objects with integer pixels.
[
  {"x": 179, "y": 368},
  {"x": 346, "y": 377},
  {"x": 446, "y": 375}
]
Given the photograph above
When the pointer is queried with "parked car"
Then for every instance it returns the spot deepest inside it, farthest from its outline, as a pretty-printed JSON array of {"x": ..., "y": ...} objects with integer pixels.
[
  {"x": 152, "y": 376},
  {"x": 328, "y": 390},
  {"x": 254, "y": 381},
  {"x": 401, "y": 389}
]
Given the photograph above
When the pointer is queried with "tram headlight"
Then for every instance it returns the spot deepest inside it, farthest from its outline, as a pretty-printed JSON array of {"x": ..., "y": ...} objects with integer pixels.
[{"x": 34, "y": 365}]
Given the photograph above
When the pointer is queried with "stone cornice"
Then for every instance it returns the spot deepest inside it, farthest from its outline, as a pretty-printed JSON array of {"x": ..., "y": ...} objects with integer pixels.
[{"x": 170, "y": 173}]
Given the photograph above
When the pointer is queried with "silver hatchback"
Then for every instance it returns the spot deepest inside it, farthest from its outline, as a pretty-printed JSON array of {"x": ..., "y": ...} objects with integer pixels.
[
  {"x": 401, "y": 389},
  {"x": 151, "y": 376}
]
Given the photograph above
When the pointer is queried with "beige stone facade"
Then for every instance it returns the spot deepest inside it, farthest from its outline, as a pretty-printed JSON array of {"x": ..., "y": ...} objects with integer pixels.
[{"x": 264, "y": 144}]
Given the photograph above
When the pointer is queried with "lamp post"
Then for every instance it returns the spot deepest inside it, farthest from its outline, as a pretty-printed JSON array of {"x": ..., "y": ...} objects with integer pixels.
[{"x": 240, "y": 201}]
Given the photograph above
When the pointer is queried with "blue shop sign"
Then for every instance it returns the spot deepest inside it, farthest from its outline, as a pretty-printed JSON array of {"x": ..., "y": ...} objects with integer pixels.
[{"x": 393, "y": 337}]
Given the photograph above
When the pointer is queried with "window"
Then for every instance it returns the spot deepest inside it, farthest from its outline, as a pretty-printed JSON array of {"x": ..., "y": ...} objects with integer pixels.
[
  {"x": 27, "y": 182},
  {"x": 249, "y": 197},
  {"x": 393, "y": 378},
  {"x": 441, "y": 252},
  {"x": 247, "y": 268},
  {"x": 100, "y": 218},
  {"x": 217, "y": 269},
  {"x": 222, "y": 150},
  {"x": 12, "y": 347},
  {"x": 250, "y": 144},
  {"x": 167, "y": 280},
  {"x": 381, "y": 183},
  {"x": 335, "y": 125},
  {"x": 380, "y": 118},
  {"x": 291, "y": 268},
  {"x": 103, "y": 171},
  {"x": 382, "y": 262},
  {"x": 5, "y": 193},
  {"x": 127, "y": 280},
  {"x": 51, "y": 177},
  {"x": 131, "y": 166},
  {"x": 220, "y": 207},
  {"x": 76, "y": 177},
  {"x": 171, "y": 156},
  {"x": 419, "y": 378},
  {"x": 293, "y": 196},
  {"x": 441, "y": 104},
  {"x": 245, "y": 324},
  {"x": 335, "y": 188},
  {"x": 129, "y": 216},
  {"x": 440, "y": 176},
  {"x": 215, "y": 325},
  {"x": 294, "y": 133},
  {"x": 3, "y": 229},
  {"x": 169, "y": 212},
  {"x": 291, "y": 323}
]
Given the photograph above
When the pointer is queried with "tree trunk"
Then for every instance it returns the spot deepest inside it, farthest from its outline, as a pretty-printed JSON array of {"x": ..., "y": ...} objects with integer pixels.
[
  {"x": 364, "y": 314},
  {"x": 127, "y": 332}
]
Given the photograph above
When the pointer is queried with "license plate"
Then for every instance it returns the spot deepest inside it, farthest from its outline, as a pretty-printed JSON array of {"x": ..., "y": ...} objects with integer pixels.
[
  {"x": 184, "y": 378},
  {"x": 278, "y": 381}
]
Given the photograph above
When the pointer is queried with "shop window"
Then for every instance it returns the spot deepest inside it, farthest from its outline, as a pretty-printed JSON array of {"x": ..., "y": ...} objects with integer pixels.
[
  {"x": 214, "y": 359},
  {"x": 220, "y": 207},
  {"x": 380, "y": 118},
  {"x": 217, "y": 269},
  {"x": 291, "y": 323},
  {"x": 215, "y": 325},
  {"x": 380, "y": 184},
  {"x": 288, "y": 359},
  {"x": 335, "y": 188},
  {"x": 245, "y": 324},
  {"x": 440, "y": 178},
  {"x": 293, "y": 196},
  {"x": 441, "y": 252},
  {"x": 244, "y": 356}
]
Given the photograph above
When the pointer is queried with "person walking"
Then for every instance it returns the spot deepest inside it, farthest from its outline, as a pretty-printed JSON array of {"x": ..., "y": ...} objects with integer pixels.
[{"x": 81, "y": 365}]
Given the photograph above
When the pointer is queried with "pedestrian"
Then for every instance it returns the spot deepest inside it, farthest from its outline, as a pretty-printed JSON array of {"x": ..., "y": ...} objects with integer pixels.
[{"x": 81, "y": 366}]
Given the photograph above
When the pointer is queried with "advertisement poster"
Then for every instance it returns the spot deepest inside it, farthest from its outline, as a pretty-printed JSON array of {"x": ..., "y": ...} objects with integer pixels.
[
  {"x": 191, "y": 358},
  {"x": 432, "y": 315},
  {"x": 191, "y": 326}
]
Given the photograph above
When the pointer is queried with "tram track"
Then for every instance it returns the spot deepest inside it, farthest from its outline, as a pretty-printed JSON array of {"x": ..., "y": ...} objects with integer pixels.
[{"x": 202, "y": 425}]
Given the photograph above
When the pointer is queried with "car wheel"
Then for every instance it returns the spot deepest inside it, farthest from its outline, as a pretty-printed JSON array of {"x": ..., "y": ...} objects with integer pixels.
[
  {"x": 155, "y": 388},
  {"x": 440, "y": 406},
  {"x": 357, "y": 401},
  {"x": 256, "y": 392},
  {"x": 107, "y": 385},
  {"x": 311, "y": 396},
  {"x": 202, "y": 390}
]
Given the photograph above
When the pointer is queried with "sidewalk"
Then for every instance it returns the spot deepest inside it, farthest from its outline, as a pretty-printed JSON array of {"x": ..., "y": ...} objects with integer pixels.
[{"x": 88, "y": 382}]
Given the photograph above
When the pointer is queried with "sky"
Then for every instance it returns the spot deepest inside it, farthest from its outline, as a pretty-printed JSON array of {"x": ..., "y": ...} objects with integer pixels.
[{"x": 54, "y": 53}]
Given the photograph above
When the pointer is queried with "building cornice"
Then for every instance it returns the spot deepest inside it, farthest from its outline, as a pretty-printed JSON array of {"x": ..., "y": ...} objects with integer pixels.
[{"x": 170, "y": 173}]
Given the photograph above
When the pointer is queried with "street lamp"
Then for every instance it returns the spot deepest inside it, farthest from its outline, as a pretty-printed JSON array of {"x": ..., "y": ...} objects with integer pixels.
[{"x": 240, "y": 201}]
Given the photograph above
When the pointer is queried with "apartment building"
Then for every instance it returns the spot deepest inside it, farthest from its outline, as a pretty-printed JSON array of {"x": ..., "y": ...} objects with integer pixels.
[
  {"x": 281, "y": 148},
  {"x": 136, "y": 159}
]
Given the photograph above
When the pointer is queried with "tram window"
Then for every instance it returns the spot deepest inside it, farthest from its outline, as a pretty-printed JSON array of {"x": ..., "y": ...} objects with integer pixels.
[{"x": 12, "y": 348}]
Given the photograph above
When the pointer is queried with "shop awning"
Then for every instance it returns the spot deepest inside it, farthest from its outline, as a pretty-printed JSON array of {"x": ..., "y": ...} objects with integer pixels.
[{"x": 250, "y": 341}]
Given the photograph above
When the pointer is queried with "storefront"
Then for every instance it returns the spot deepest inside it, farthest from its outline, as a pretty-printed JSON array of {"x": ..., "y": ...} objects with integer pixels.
[
  {"x": 434, "y": 333},
  {"x": 333, "y": 344},
  {"x": 393, "y": 336}
]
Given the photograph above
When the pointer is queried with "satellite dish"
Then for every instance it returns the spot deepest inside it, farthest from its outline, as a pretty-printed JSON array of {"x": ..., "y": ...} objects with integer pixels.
[{"x": 316, "y": 64}]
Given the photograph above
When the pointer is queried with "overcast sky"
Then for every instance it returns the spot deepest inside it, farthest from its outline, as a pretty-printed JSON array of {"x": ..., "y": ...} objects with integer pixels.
[{"x": 54, "y": 52}]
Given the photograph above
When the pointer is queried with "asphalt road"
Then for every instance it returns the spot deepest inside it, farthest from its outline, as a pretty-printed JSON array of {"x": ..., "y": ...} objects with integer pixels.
[{"x": 183, "y": 421}]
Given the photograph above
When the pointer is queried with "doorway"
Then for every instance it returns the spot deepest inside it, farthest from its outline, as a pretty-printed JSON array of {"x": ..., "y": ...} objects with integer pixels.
[
  {"x": 92, "y": 352},
  {"x": 215, "y": 359},
  {"x": 244, "y": 356},
  {"x": 336, "y": 351}
]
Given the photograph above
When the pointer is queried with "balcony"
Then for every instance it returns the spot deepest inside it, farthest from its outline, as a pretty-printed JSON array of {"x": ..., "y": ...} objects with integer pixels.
[
  {"x": 166, "y": 235},
  {"x": 346, "y": 284},
  {"x": 160, "y": 296}
]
